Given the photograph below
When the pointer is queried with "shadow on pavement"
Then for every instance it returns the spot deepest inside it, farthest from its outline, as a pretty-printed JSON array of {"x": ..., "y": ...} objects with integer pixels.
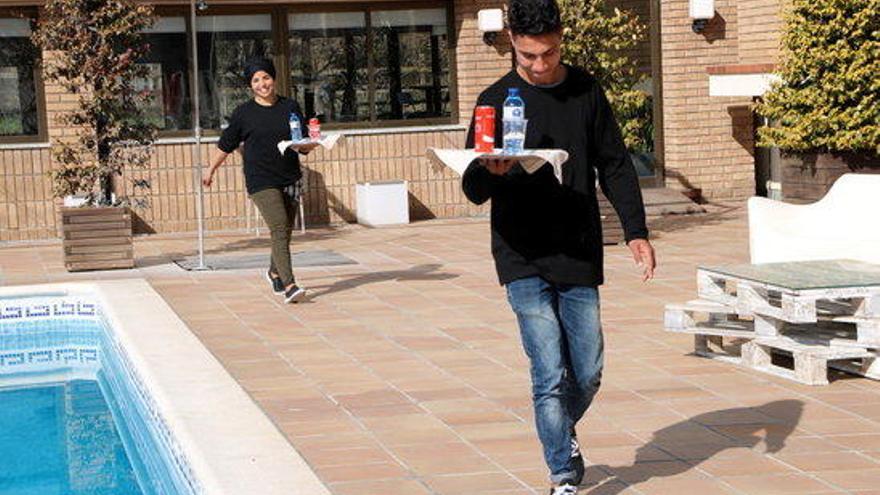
[
  {"x": 741, "y": 427},
  {"x": 418, "y": 272}
]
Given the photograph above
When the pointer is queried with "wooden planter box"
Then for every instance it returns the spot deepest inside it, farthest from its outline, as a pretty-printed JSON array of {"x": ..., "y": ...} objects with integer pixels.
[
  {"x": 806, "y": 177},
  {"x": 97, "y": 238}
]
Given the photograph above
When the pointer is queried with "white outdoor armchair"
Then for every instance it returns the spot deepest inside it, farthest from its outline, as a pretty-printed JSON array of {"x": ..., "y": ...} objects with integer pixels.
[{"x": 845, "y": 224}]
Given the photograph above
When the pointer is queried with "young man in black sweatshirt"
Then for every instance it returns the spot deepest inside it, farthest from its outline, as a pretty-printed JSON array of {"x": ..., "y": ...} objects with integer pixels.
[{"x": 547, "y": 236}]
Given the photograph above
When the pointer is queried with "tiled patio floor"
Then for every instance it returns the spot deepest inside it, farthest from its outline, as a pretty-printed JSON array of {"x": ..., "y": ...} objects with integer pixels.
[{"x": 403, "y": 373}]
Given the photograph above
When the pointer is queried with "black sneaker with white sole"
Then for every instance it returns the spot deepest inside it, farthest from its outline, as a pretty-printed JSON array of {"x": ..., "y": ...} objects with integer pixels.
[
  {"x": 294, "y": 294},
  {"x": 277, "y": 284}
]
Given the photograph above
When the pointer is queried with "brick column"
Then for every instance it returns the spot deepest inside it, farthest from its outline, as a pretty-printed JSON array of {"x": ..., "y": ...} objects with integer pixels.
[{"x": 709, "y": 142}]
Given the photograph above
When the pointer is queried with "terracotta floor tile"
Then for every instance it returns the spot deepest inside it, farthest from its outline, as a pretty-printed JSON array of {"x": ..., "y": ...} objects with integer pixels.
[
  {"x": 863, "y": 479},
  {"x": 490, "y": 483},
  {"x": 644, "y": 471},
  {"x": 846, "y": 426},
  {"x": 778, "y": 484},
  {"x": 745, "y": 464},
  {"x": 829, "y": 461},
  {"x": 625, "y": 456},
  {"x": 361, "y": 472},
  {"x": 413, "y": 356},
  {"x": 866, "y": 442},
  {"x": 682, "y": 485},
  {"x": 385, "y": 487}
]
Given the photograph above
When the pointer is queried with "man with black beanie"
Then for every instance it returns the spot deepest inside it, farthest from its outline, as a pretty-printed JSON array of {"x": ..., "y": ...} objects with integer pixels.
[{"x": 547, "y": 235}]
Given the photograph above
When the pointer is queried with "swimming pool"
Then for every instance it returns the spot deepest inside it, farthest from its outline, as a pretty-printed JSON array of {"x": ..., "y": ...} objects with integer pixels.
[
  {"x": 103, "y": 390},
  {"x": 60, "y": 438}
]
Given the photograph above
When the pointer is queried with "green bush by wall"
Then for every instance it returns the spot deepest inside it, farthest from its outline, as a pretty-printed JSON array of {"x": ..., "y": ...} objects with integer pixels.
[{"x": 829, "y": 97}]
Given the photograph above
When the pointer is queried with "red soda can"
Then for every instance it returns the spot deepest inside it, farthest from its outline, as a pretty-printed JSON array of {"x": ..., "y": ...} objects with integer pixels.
[
  {"x": 484, "y": 129},
  {"x": 314, "y": 129}
]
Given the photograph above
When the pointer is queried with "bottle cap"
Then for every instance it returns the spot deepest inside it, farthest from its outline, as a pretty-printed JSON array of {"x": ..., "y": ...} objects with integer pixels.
[
  {"x": 512, "y": 91},
  {"x": 313, "y": 121}
]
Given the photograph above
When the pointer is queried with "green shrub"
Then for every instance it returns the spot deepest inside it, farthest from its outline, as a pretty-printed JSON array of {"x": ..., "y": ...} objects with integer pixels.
[
  {"x": 598, "y": 39},
  {"x": 828, "y": 99}
]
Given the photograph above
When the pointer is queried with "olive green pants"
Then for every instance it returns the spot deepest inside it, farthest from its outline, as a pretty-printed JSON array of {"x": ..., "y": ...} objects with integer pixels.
[{"x": 278, "y": 211}]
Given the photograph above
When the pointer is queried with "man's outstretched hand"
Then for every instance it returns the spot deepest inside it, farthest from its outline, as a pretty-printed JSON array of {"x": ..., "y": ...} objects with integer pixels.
[{"x": 643, "y": 255}]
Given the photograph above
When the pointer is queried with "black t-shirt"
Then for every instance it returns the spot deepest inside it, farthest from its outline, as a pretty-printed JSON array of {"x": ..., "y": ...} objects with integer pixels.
[
  {"x": 261, "y": 128},
  {"x": 539, "y": 226}
]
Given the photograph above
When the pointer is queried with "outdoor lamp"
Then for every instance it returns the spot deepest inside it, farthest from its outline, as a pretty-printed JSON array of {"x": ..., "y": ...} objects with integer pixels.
[
  {"x": 701, "y": 11},
  {"x": 490, "y": 22}
]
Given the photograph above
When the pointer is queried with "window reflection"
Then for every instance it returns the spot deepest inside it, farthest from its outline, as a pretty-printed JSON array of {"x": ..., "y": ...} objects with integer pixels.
[
  {"x": 328, "y": 65},
  {"x": 412, "y": 68},
  {"x": 170, "y": 106},
  {"x": 18, "y": 95},
  {"x": 226, "y": 44}
]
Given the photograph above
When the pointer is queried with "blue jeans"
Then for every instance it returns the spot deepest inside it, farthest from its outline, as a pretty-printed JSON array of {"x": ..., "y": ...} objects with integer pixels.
[{"x": 562, "y": 337}]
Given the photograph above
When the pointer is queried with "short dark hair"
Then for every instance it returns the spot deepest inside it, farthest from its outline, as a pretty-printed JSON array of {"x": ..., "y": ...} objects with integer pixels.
[{"x": 533, "y": 17}]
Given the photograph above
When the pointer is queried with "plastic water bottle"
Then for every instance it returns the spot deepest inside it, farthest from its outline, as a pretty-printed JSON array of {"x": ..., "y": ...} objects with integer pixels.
[
  {"x": 296, "y": 133},
  {"x": 514, "y": 122}
]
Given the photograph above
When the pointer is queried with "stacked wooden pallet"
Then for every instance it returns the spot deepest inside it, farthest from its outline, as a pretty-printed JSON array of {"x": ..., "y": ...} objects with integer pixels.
[{"x": 793, "y": 334}]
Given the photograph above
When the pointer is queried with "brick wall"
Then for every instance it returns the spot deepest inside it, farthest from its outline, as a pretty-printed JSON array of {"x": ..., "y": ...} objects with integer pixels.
[
  {"x": 27, "y": 210},
  {"x": 759, "y": 30},
  {"x": 478, "y": 65},
  {"x": 709, "y": 142},
  {"x": 330, "y": 193}
]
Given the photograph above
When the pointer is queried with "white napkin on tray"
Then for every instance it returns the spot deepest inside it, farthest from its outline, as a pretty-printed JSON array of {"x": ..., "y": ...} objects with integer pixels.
[
  {"x": 531, "y": 160},
  {"x": 327, "y": 141}
]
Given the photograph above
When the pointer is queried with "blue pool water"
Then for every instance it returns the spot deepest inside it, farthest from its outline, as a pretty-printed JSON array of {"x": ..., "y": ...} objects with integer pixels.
[
  {"x": 75, "y": 416},
  {"x": 60, "y": 439}
]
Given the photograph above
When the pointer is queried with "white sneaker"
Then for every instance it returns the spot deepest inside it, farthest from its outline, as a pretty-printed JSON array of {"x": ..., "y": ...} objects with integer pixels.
[
  {"x": 294, "y": 294},
  {"x": 566, "y": 488}
]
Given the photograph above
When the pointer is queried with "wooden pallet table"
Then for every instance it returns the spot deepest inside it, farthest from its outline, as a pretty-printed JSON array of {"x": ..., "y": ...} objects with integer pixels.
[
  {"x": 796, "y": 292},
  {"x": 822, "y": 314}
]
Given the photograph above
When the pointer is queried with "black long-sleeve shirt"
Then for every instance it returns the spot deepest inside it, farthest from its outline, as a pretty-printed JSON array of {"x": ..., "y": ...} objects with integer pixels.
[
  {"x": 261, "y": 128},
  {"x": 539, "y": 226}
]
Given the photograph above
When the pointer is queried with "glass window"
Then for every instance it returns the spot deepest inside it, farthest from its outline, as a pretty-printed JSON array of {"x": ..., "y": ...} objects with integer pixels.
[
  {"x": 168, "y": 80},
  {"x": 18, "y": 94},
  {"x": 412, "y": 69},
  {"x": 330, "y": 71},
  {"x": 226, "y": 43},
  {"x": 328, "y": 65}
]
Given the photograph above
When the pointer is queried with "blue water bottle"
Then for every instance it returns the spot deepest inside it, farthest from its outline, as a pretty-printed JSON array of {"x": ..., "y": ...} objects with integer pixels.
[
  {"x": 296, "y": 133},
  {"x": 514, "y": 123}
]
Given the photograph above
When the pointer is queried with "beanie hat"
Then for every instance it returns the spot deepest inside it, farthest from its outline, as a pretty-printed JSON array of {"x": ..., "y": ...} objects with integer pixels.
[{"x": 257, "y": 65}]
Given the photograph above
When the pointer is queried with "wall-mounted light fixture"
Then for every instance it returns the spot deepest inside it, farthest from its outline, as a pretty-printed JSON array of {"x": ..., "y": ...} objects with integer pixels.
[
  {"x": 490, "y": 22},
  {"x": 701, "y": 11}
]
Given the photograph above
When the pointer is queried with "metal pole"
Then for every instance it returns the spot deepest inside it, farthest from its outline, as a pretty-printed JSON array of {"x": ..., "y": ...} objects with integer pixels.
[{"x": 197, "y": 131}]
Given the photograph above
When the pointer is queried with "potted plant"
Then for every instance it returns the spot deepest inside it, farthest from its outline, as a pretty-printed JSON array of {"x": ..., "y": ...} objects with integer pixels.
[
  {"x": 824, "y": 112},
  {"x": 92, "y": 49},
  {"x": 601, "y": 40}
]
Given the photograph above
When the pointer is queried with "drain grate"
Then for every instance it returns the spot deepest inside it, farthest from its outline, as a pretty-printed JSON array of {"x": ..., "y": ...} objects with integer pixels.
[{"x": 248, "y": 261}]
